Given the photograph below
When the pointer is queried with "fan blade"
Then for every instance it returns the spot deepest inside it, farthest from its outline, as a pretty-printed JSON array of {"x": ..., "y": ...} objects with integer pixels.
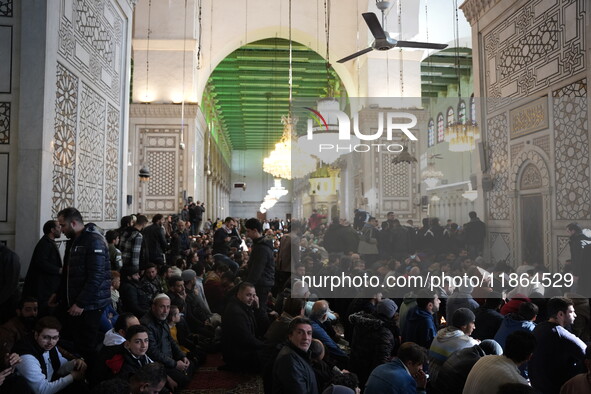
[
  {"x": 353, "y": 56},
  {"x": 416, "y": 44},
  {"x": 374, "y": 25}
]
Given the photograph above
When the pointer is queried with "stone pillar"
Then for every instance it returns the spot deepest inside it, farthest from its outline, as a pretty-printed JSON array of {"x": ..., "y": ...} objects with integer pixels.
[{"x": 72, "y": 126}]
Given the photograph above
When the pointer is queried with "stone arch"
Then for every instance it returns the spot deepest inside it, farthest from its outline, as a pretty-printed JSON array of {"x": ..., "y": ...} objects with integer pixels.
[{"x": 533, "y": 156}]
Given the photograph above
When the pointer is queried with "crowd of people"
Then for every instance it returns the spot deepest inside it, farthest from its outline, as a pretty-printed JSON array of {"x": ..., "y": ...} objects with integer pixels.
[{"x": 139, "y": 308}]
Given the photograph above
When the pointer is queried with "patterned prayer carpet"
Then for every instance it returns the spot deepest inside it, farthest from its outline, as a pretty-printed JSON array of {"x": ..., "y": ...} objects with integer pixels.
[{"x": 208, "y": 380}]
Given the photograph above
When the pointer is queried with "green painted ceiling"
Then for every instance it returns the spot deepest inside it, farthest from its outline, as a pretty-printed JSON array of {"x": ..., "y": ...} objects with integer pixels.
[
  {"x": 241, "y": 83},
  {"x": 250, "y": 87},
  {"x": 439, "y": 71}
]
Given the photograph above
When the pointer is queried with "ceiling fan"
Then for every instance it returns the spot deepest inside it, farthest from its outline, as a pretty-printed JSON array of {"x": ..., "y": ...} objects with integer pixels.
[{"x": 383, "y": 41}]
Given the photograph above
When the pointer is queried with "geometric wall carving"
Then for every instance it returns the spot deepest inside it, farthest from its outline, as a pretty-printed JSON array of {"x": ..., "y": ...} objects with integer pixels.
[
  {"x": 498, "y": 160},
  {"x": 562, "y": 249},
  {"x": 4, "y": 123},
  {"x": 91, "y": 38},
  {"x": 530, "y": 178},
  {"x": 4, "y": 178},
  {"x": 535, "y": 163},
  {"x": 112, "y": 163},
  {"x": 91, "y": 154},
  {"x": 543, "y": 143},
  {"x": 516, "y": 149},
  {"x": 159, "y": 150},
  {"x": 6, "y": 8},
  {"x": 538, "y": 45},
  {"x": 395, "y": 177},
  {"x": 500, "y": 247},
  {"x": 571, "y": 136},
  {"x": 64, "y": 139}
]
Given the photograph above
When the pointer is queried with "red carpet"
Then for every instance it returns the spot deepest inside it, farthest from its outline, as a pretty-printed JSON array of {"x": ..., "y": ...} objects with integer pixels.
[{"x": 209, "y": 380}]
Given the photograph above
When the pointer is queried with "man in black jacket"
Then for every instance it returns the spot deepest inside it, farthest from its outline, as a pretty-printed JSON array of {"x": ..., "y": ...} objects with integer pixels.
[
  {"x": 292, "y": 372},
  {"x": 474, "y": 233},
  {"x": 261, "y": 264},
  {"x": 154, "y": 240},
  {"x": 241, "y": 330},
  {"x": 163, "y": 348},
  {"x": 43, "y": 275},
  {"x": 85, "y": 287}
]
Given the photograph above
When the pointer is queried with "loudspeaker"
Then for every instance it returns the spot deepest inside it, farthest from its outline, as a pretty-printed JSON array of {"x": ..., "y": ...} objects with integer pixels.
[
  {"x": 482, "y": 155},
  {"x": 487, "y": 182},
  {"x": 129, "y": 199}
]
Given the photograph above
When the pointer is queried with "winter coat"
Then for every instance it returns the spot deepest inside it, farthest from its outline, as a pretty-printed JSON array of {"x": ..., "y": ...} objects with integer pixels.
[
  {"x": 419, "y": 327},
  {"x": 155, "y": 242},
  {"x": 374, "y": 343},
  {"x": 558, "y": 356},
  {"x": 447, "y": 341},
  {"x": 240, "y": 332},
  {"x": 162, "y": 347},
  {"x": 368, "y": 244},
  {"x": 43, "y": 275},
  {"x": 292, "y": 372},
  {"x": 261, "y": 264},
  {"x": 487, "y": 323},
  {"x": 511, "y": 323},
  {"x": 391, "y": 378},
  {"x": 340, "y": 239},
  {"x": 133, "y": 297},
  {"x": 454, "y": 372},
  {"x": 86, "y": 275}
]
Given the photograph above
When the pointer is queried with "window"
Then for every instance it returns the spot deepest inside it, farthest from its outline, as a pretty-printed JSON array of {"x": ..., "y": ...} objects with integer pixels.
[
  {"x": 431, "y": 133},
  {"x": 440, "y": 128},
  {"x": 462, "y": 112}
]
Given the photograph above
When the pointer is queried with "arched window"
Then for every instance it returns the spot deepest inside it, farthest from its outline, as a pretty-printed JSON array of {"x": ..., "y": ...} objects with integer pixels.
[
  {"x": 462, "y": 112},
  {"x": 440, "y": 128},
  {"x": 451, "y": 118},
  {"x": 431, "y": 133}
]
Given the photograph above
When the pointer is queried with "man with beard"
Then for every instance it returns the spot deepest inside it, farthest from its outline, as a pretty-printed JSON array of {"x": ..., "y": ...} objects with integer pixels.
[
  {"x": 43, "y": 275},
  {"x": 20, "y": 326}
]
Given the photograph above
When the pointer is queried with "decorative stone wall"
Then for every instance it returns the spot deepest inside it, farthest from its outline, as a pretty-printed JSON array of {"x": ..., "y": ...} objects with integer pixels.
[
  {"x": 91, "y": 65},
  {"x": 498, "y": 162}
]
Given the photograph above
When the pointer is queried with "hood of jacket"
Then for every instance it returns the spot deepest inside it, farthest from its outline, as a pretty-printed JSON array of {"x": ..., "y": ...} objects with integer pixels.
[
  {"x": 514, "y": 322},
  {"x": 93, "y": 228},
  {"x": 449, "y": 333},
  {"x": 415, "y": 314},
  {"x": 364, "y": 320},
  {"x": 112, "y": 338},
  {"x": 264, "y": 241}
]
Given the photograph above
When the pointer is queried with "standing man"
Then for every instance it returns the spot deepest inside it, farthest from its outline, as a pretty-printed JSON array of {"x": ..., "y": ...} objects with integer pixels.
[
  {"x": 559, "y": 355},
  {"x": 261, "y": 264},
  {"x": 85, "y": 287},
  {"x": 292, "y": 372},
  {"x": 155, "y": 240},
  {"x": 222, "y": 237},
  {"x": 474, "y": 233},
  {"x": 10, "y": 268},
  {"x": 43, "y": 275},
  {"x": 577, "y": 241},
  {"x": 131, "y": 244},
  {"x": 198, "y": 209}
]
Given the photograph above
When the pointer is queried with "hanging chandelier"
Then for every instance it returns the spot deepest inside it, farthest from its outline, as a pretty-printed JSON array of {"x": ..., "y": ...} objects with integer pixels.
[
  {"x": 277, "y": 190},
  {"x": 470, "y": 194},
  {"x": 287, "y": 151},
  {"x": 431, "y": 175},
  {"x": 404, "y": 157}
]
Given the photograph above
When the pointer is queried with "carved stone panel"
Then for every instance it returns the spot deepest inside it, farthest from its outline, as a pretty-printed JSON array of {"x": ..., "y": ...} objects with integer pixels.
[
  {"x": 571, "y": 136},
  {"x": 499, "y": 204},
  {"x": 64, "y": 139},
  {"x": 4, "y": 123},
  {"x": 112, "y": 163},
  {"x": 6, "y": 8},
  {"x": 530, "y": 178},
  {"x": 540, "y": 44},
  {"x": 91, "y": 142}
]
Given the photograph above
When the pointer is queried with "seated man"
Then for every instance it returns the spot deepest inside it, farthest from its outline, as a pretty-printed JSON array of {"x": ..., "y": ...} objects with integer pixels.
[
  {"x": 318, "y": 317},
  {"x": 21, "y": 325},
  {"x": 420, "y": 325},
  {"x": 559, "y": 355},
  {"x": 150, "y": 378},
  {"x": 402, "y": 375},
  {"x": 43, "y": 366},
  {"x": 523, "y": 320},
  {"x": 580, "y": 383},
  {"x": 292, "y": 372},
  {"x": 241, "y": 326},
  {"x": 452, "y": 375},
  {"x": 491, "y": 372},
  {"x": 163, "y": 348},
  {"x": 133, "y": 297},
  {"x": 451, "y": 339},
  {"x": 488, "y": 317}
]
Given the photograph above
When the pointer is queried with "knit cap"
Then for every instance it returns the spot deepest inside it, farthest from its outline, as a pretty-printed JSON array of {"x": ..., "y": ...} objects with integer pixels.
[
  {"x": 462, "y": 317},
  {"x": 188, "y": 275},
  {"x": 387, "y": 307}
]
